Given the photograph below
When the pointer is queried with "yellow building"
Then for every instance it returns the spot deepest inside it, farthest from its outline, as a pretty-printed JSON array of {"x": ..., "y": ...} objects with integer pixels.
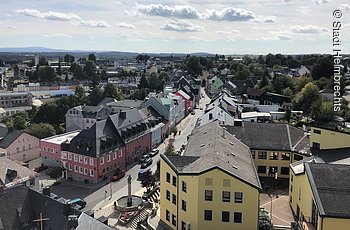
[
  {"x": 273, "y": 146},
  {"x": 324, "y": 138},
  {"x": 319, "y": 195},
  {"x": 213, "y": 185}
]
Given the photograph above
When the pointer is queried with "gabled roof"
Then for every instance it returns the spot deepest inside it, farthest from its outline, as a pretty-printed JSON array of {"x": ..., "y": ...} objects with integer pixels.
[
  {"x": 10, "y": 138},
  {"x": 271, "y": 136},
  {"x": 331, "y": 188},
  {"x": 208, "y": 149}
]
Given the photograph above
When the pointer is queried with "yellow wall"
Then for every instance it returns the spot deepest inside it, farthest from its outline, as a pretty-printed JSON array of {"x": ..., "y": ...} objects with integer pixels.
[
  {"x": 334, "y": 223},
  {"x": 196, "y": 203},
  {"x": 276, "y": 163},
  {"x": 329, "y": 139}
]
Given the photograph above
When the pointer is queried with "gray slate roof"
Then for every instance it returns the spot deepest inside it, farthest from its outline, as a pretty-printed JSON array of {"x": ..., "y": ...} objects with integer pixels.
[
  {"x": 22, "y": 172},
  {"x": 271, "y": 136},
  {"x": 88, "y": 223},
  {"x": 330, "y": 185},
  {"x": 208, "y": 149},
  {"x": 10, "y": 138}
]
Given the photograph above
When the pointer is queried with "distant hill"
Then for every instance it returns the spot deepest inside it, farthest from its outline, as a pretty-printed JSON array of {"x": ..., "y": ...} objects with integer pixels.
[{"x": 105, "y": 54}]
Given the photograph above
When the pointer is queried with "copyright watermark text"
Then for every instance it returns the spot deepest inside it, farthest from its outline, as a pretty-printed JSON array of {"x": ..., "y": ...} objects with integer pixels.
[{"x": 337, "y": 56}]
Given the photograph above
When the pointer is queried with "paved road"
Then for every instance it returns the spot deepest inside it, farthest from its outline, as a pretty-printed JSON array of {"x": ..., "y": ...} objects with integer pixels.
[{"x": 98, "y": 196}]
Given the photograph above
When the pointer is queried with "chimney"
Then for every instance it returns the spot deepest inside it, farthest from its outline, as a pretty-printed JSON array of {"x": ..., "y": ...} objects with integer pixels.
[
  {"x": 72, "y": 222},
  {"x": 122, "y": 114},
  {"x": 46, "y": 191}
]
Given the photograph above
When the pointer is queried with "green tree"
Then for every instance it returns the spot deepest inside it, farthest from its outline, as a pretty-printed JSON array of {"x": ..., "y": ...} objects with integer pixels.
[
  {"x": 323, "y": 68},
  {"x": 92, "y": 57},
  {"x": 306, "y": 97},
  {"x": 154, "y": 82},
  {"x": 90, "y": 69},
  {"x": 69, "y": 58},
  {"x": 59, "y": 72},
  {"x": 43, "y": 61},
  {"x": 170, "y": 149},
  {"x": 79, "y": 92},
  {"x": 41, "y": 130},
  {"x": 288, "y": 114},
  {"x": 111, "y": 90},
  {"x": 148, "y": 180},
  {"x": 78, "y": 72},
  {"x": 264, "y": 82},
  {"x": 95, "y": 96},
  {"x": 1, "y": 63},
  {"x": 322, "y": 111},
  {"x": 287, "y": 92},
  {"x": 143, "y": 82},
  {"x": 47, "y": 113},
  {"x": 55, "y": 172},
  {"x": 46, "y": 74},
  {"x": 300, "y": 82},
  {"x": 16, "y": 71},
  {"x": 193, "y": 65}
]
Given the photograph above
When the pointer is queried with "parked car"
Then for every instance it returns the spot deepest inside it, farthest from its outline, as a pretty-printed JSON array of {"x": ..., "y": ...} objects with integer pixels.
[
  {"x": 141, "y": 174},
  {"x": 143, "y": 158},
  {"x": 154, "y": 152},
  {"x": 77, "y": 201},
  {"x": 146, "y": 163},
  {"x": 119, "y": 174},
  {"x": 40, "y": 168}
]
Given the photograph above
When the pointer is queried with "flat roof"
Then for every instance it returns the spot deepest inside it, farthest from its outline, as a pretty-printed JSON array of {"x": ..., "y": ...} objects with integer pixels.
[{"x": 59, "y": 139}]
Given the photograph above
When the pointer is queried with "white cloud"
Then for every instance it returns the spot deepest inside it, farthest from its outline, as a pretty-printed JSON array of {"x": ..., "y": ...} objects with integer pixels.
[
  {"x": 308, "y": 29},
  {"x": 182, "y": 26},
  {"x": 345, "y": 6},
  {"x": 265, "y": 20},
  {"x": 227, "y": 32},
  {"x": 284, "y": 37},
  {"x": 167, "y": 40},
  {"x": 145, "y": 23},
  {"x": 126, "y": 25},
  {"x": 58, "y": 35},
  {"x": 319, "y": 2},
  {"x": 193, "y": 38},
  {"x": 51, "y": 15},
  {"x": 189, "y": 12},
  {"x": 92, "y": 23},
  {"x": 10, "y": 26}
]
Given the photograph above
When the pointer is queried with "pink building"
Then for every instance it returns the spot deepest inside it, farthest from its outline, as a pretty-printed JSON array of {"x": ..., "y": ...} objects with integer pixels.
[
  {"x": 50, "y": 148},
  {"x": 189, "y": 105},
  {"x": 20, "y": 146}
]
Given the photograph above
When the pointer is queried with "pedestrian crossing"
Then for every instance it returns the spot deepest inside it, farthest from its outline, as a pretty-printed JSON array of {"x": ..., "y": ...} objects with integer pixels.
[{"x": 142, "y": 216}]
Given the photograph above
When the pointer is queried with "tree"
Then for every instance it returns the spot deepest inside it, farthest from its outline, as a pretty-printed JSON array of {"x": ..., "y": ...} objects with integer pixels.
[
  {"x": 110, "y": 90},
  {"x": 16, "y": 71},
  {"x": 170, "y": 149},
  {"x": 148, "y": 180},
  {"x": 92, "y": 57},
  {"x": 59, "y": 72},
  {"x": 1, "y": 63},
  {"x": 143, "y": 82},
  {"x": 264, "y": 82},
  {"x": 47, "y": 113},
  {"x": 300, "y": 82},
  {"x": 154, "y": 82},
  {"x": 324, "y": 68},
  {"x": 193, "y": 65},
  {"x": 43, "y": 61},
  {"x": 95, "y": 96},
  {"x": 288, "y": 114},
  {"x": 41, "y": 130},
  {"x": 46, "y": 74},
  {"x": 79, "y": 92},
  {"x": 69, "y": 58},
  {"x": 306, "y": 97},
  {"x": 55, "y": 172},
  {"x": 322, "y": 111},
  {"x": 78, "y": 72},
  {"x": 90, "y": 69}
]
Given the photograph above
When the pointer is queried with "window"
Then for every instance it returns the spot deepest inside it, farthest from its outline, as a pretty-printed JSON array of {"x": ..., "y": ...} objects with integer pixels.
[
  {"x": 253, "y": 154},
  {"x": 285, "y": 156},
  {"x": 316, "y": 145},
  {"x": 238, "y": 197},
  {"x": 80, "y": 169},
  {"x": 102, "y": 160},
  {"x": 225, "y": 216},
  {"x": 317, "y": 131},
  {"x": 284, "y": 170},
  {"x": 85, "y": 171},
  {"x": 262, "y": 154},
  {"x": 226, "y": 183},
  {"x": 75, "y": 168},
  {"x": 108, "y": 158},
  {"x": 114, "y": 155},
  {"x": 273, "y": 156},
  {"x": 91, "y": 162},
  {"x": 226, "y": 196},
  {"x": 120, "y": 153},
  {"x": 64, "y": 155},
  {"x": 91, "y": 172},
  {"x": 17, "y": 149},
  {"x": 30, "y": 146},
  {"x": 168, "y": 177},
  {"x": 208, "y": 215},
  {"x": 174, "y": 181},
  {"x": 209, "y": 195},
  {"x": 70, "y": 167},
  {"x": 80, "y": 159},
  {"x": 237, "y": 217},
  {"x": 167, "y": 215},
  {"x": 167, "y": 195},
  {"x": 261, "y": 169},
  {"x": 85, "y": 160},
  {"x": 297, "y": 157},
  {"x": 173, "y": 220},
  {"x": 69, "y": 156},
  {"x": 208, "y": 181},
  {"x": 273, "y": 170},
  {"x": 184, "y": 186},
  {"x": 174, "y": 199},
  {"x": 76, "y": 158},
  {"x": 183, "y": 225},
  {"x": 183, "y": 205}
]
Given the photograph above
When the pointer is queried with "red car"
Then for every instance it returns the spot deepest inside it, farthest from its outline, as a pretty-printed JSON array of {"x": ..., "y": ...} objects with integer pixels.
[
  {"x": 118, "y": 175},
  {"x": 40, "y": 168}
]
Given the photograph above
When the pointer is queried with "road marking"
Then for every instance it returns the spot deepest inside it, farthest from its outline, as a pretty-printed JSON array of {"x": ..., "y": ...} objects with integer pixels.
[
  {"x": 269, "y": 202},
  {"x": 281, "y": 219}
]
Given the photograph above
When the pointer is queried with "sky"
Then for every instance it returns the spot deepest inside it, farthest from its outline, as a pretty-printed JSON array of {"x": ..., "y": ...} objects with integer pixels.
[{"x": 175, "y": 26}]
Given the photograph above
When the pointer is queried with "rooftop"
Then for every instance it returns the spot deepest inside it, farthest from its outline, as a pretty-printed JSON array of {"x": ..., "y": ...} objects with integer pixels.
[{"x": 59, "y": 139}]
